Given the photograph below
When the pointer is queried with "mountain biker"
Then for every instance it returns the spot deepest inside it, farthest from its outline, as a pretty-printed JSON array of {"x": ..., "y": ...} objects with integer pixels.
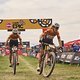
[
  {"x": 47, "y": 37},
  {"x": 13, "y": 40}
]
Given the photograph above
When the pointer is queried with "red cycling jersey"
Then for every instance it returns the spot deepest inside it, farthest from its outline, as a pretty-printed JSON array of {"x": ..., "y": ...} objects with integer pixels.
[{"x": 14, "y": 37}]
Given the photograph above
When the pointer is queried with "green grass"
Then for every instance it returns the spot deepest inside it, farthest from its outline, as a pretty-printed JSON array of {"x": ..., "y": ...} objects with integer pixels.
[{"x": 27, "y": 70}]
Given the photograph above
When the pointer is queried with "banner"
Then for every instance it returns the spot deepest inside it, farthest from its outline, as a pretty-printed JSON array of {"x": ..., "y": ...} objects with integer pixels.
[
  {"x": 7, "y": 24},
  {"x": 70, "y": 57}
]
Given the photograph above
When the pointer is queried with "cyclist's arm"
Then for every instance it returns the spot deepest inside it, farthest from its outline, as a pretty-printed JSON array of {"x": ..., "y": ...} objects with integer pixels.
[
  {"x": 7, "y": 40},
  {"x": 20, "y": 40},
  {"x": 59, "y": 39}
]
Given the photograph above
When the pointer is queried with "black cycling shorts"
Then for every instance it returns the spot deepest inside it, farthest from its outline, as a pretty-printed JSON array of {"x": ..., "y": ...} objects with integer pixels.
[
  {"x": 13, "y": 43},
  {"x": 48, "y": 41}
]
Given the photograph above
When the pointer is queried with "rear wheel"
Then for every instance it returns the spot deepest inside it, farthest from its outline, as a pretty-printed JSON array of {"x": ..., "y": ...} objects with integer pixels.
[{"x": 48, "y": 66}]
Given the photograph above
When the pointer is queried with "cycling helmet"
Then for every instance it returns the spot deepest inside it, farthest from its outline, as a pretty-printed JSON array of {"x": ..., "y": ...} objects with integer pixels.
[
  {"x": 56, "y": 25},
  {"x": 15, "y": 31}
]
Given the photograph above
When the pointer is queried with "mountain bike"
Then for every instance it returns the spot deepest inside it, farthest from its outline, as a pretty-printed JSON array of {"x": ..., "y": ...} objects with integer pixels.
[
  {"x": 14, "y": 58},
  {"x": 48, "y": 60}
]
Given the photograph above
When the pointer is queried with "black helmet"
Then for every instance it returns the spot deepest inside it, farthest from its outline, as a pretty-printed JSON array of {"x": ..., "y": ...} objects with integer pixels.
[{"x": 56, "y": 25}]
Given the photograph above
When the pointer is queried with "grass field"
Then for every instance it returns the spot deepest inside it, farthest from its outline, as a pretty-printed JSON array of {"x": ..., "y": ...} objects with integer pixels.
[{"x": 27, "y": 70}]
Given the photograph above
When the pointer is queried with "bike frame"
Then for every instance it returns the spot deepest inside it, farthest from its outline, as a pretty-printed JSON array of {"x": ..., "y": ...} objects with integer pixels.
[{"x": 45, "y": 52}]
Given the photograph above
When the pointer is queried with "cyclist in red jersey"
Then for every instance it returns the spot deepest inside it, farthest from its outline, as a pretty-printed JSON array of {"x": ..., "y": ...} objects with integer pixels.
[
  {"x": 47, "y": 37},
  {"x": 13, "y": 40}
]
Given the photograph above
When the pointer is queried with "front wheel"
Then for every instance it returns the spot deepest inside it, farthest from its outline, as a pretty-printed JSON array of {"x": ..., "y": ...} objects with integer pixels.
[
  {"x": 48, "y": 66},
  {"x": 14, "y": 63}
]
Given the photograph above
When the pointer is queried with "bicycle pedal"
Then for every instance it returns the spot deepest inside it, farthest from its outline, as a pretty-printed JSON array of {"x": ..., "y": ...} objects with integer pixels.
[
  {"x": 17, "y": 63},
  {"x": 10, "y": 65},
  {"x": 38, "y": 69}
]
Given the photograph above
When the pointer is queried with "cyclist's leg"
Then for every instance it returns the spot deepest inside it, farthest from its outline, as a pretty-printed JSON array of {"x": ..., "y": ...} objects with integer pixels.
[
  {"x": 39, "y": 60},
  {"x": 40, "y": 57},
  {"x": 10, "y": 56},
  {"x": 17, "y": 58}
]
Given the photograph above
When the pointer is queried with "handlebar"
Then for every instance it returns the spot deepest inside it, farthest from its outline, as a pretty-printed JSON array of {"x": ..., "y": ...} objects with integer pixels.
[{"x": 50, "y": 45}]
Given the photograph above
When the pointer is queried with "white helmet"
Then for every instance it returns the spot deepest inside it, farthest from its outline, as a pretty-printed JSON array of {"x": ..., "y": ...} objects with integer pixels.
[
  {"x": 15, "y": 30},
  {"x": 56, "y": 25}
]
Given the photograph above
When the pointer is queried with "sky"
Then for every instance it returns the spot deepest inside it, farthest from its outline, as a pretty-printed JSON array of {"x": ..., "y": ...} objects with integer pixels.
[{"x": 64, "y": 12}]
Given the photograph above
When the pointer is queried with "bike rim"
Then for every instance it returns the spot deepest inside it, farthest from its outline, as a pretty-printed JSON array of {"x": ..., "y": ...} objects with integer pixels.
[
  {"x": 14, "y": 64},
  {"x": 48, "y": 67}
]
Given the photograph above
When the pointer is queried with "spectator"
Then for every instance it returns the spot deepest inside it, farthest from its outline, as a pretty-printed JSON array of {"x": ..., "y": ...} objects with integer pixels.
[{"x": 75, "y": 47}]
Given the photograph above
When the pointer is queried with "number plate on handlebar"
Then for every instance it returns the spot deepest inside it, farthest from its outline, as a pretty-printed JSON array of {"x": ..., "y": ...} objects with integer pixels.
[
  {"x": 14, "y": 48},
  {"x": 52, "y": 46}
]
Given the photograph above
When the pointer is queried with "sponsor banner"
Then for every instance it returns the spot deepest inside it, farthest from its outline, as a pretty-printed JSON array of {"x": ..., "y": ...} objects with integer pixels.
[
  {"x": 70, "y": 57},
  {"x": 76, "y": 58},
  {"x": 8, "y": 24},
  {"x": 63, "y": 57}
]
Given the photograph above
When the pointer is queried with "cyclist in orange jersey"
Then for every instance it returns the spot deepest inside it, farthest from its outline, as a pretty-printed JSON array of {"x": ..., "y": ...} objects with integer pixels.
[
  {"x": 47, "y": 37},
  {"x": 13, "y": 40}
]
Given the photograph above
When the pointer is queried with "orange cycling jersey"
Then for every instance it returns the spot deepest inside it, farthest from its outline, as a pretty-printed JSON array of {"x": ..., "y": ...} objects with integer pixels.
[
  {"x": 14, "y": 37},
  {"x": 51, "y": 32}
]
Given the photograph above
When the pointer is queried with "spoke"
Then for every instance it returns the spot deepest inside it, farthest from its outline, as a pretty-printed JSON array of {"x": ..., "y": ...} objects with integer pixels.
[{"x": 48, "y": 66}]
